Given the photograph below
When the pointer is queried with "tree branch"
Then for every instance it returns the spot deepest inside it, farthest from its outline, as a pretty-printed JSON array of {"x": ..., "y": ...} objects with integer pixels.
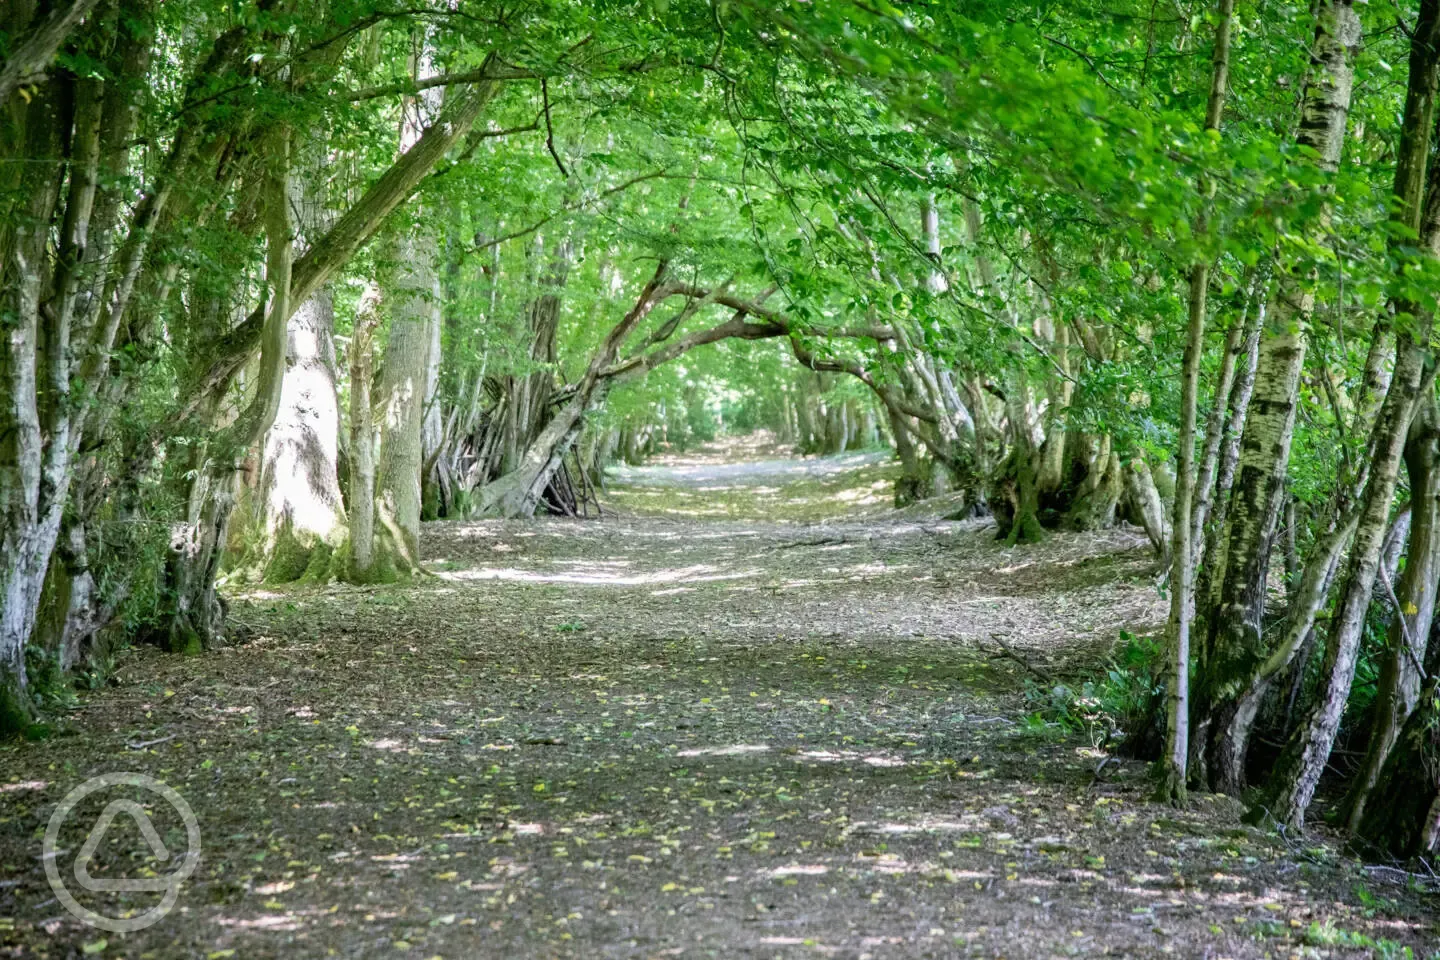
[
  {"x": 490, "y": 71},
  {"x": 567, "y": 208}
]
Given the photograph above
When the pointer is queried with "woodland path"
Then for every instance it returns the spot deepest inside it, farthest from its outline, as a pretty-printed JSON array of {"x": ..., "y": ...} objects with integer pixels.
[{"x": 750, "y": 713}]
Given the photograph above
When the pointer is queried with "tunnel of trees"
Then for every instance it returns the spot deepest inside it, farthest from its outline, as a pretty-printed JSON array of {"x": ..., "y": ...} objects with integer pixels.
[{"x": 279, "y": 281}]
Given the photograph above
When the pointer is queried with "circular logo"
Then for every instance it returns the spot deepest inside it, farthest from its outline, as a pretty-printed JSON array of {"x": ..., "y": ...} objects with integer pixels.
[{"x": 168, "y": 885}]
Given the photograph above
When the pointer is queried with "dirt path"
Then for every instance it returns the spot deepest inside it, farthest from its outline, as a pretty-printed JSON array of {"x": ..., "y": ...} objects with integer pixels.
[{"x": 747, "y": 714}]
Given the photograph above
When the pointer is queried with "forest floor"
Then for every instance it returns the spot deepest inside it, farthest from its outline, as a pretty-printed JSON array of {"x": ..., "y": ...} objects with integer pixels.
[{"x": 751, "y": 712}]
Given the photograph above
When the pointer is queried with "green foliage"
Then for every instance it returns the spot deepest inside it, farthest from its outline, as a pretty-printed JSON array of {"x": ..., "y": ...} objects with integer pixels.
[
  {"x": 1122, "y": 705},
  {"x": 51, "y": 689}
]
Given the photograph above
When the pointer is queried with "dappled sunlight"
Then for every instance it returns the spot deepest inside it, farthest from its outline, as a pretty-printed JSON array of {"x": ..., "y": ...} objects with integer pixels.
[
  {"x": 23, "y": 785},
  {"x": 280, "y": 922},
  {"x": 938, "y": 824},
  {"x": 734, "y": 750},
  {"x": 869, "y": 759},
  {"x": 591, "y": 574},
  {"x": 796, "y": 870},
  {"x": 751, "y": 723}
]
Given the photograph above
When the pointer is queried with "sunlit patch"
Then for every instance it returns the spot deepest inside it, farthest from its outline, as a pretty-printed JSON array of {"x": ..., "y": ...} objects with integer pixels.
[
  {"x": 925, "y": 825},
  {"x": 869, "y": 759},
  {"x": 1150, "y": 878},
  {"x": 526, "y": 829},
  {"x": 867, "y": 568},
  {"x": 23, "y": 785},
  {"x": 730, "y": 751},
  {"x": 599, "y": 575},
  {"x": 1139, "y": 891},
  {"x": 797, "y": 870},
  {"x": 506, "y": 867},
  {"x": 279, "y": 921},
  {"x": 385, "y": 744}
]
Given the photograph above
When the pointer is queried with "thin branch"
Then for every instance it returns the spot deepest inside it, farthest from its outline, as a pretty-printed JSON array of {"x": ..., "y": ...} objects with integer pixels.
[
  {"x": 549, "y": 129},
  {"x": 1085, "y": 57},
  {"x": 493, "y": 71},
  {"x": 526, "y": 231}
]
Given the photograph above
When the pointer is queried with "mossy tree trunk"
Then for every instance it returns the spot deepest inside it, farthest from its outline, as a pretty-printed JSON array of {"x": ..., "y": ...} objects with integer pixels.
[
  {"x": 359, "y": 565},
  {"x": 299, "y": 488},
  {"x": 1416, "y": 211},
  {"x": 1401, "y": 819},
  {"x": 414, "y": 307},
  {"x": 1401, "y": 673}
]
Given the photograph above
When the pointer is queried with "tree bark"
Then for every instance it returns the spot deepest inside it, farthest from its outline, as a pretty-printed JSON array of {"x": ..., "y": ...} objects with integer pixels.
[
  {"x": 1145, "y": 497},
  {"x": 414, "y": 308},
  {"x": 360, "y": 566},
  {"x": 1401, "y": 674},
  {"x": 1297, "y": 772},
  {"x": 1172, "y": 771},
  {"x": 1238, "y": 344},
  {"x": 299, "y": 482},
  {"x": 31, "y": 50},
  {"x": 1401, "y": 819},
  {"x": 518, "y": 493}
]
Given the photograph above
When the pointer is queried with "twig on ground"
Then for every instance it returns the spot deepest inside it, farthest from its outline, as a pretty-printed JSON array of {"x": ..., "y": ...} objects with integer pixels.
[
  {"x": 828, "y": 541},
  {"x": 1005, "y": 652}
]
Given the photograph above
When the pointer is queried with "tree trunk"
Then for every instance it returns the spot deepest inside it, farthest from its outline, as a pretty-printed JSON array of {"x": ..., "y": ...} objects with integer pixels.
[
  {"x": 197, "y": 613},
  {"x": 913, "y": 484},
  {"x": 31, "y": 516},
  {"x": 361, "y": 565},
  {"x": 1233, "y": 641},
  {"x": 1400, "y": 672},
  {"x": 31, "y": 51},
  {"x": 1297, "y": 772},
  {"x": 1173, "y": 765},
  {"x": 414, "y": 308},
  {"x": 1401, "y": 819},
  {"x": 1140, "y": 488},
  {"x": 516, "y": 494},
  {"x": 1211, "y": 559},
  {"x": 1224, "y": 737},
  {"x": 1098, "y": 493},
  {"x": 299, "y": 482},
  {"x": 196, "y": 618},
  {"x": 1237, "y": 341}
]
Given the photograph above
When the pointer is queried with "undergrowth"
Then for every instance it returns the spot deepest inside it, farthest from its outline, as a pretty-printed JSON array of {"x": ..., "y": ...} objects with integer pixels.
[{"x": 1122, "y": 707}]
